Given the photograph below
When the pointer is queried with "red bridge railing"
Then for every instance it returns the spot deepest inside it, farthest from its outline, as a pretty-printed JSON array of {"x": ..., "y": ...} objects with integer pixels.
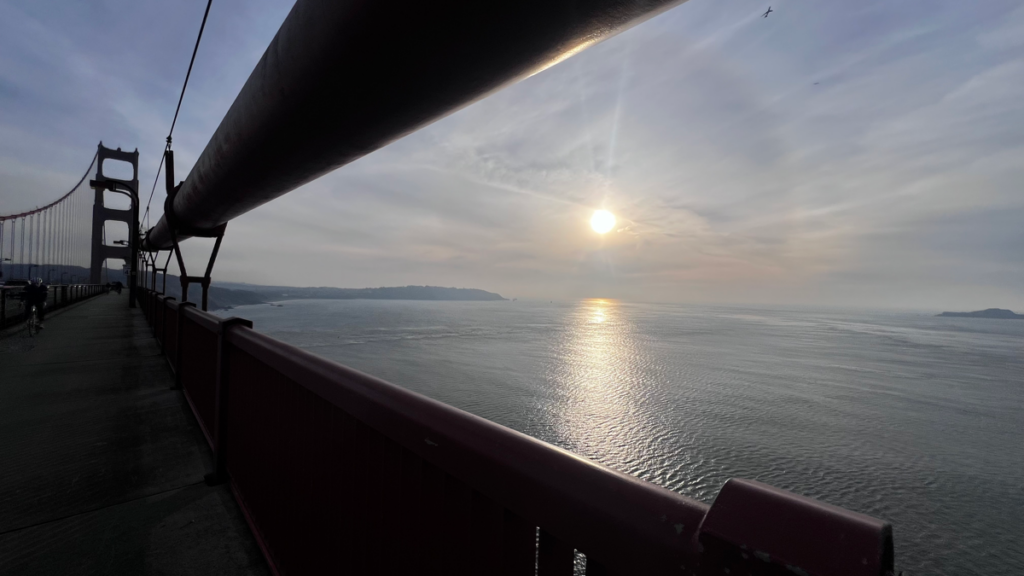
[
  {"x": 337, "y": 471},
  {"x": 58, "y": 296}
]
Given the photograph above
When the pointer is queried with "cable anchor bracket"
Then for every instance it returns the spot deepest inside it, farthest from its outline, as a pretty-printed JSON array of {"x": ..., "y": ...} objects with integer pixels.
[{"x": 176, "y": 229}]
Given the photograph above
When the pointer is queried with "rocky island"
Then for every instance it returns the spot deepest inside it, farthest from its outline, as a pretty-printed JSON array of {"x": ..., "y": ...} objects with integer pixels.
[{"x": 997, "y": 313}]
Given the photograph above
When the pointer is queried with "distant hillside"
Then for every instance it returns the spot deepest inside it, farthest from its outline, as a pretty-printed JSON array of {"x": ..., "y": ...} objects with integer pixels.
[
  {"x": 997, "y": 313},
  {"x": 273, "y": 293},
  {"x": 226, "y": 295}
]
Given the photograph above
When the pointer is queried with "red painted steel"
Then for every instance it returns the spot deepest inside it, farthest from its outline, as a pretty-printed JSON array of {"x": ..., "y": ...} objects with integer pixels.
[
  {"x": 198, "y": 368},
  {"x": 158, "y": 320},
  {"x": 171, "y": 334},
  {"x": 337, "y": 471},
  {"x": 573, "y": 498},
  {"x": 752, "y": 516}
]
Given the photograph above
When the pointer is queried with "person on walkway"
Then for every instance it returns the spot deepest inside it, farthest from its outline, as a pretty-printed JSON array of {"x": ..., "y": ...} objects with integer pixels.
[{"x": 35, "y": 294}]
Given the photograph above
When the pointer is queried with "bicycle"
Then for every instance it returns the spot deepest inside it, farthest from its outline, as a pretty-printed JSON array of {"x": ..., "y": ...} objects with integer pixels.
[{"x": 33, "y": 321}]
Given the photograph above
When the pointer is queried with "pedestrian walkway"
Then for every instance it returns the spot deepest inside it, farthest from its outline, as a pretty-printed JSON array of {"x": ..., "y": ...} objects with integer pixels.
[{"x": 101, "y": 461}]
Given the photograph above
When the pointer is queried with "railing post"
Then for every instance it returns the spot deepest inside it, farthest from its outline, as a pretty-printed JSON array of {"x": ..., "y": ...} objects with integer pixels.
[
  {"x": 155, "y": 309},
  {"x": 163, "y": 326},
  {"x": 220, "y": 470},
  {"x": 177, "y": 349}
]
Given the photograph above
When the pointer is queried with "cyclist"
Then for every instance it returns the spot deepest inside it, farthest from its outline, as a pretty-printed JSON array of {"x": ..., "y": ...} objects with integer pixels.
[{"x": 35, "y": 295}]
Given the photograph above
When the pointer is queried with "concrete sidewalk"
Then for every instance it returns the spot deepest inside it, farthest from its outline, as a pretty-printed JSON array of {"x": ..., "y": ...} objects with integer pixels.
[{"x": 101, "y": 462}]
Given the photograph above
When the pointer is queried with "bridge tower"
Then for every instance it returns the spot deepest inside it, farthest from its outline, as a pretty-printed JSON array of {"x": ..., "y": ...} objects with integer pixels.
[{"x": 101, "y": 214}]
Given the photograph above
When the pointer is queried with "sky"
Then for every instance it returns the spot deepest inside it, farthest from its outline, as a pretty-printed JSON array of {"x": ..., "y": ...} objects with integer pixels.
[{"x": 865, "y": 154}]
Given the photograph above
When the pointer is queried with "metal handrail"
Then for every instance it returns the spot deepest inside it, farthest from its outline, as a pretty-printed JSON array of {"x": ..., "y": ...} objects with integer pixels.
[
  {"x": 63, "y": 295},
  {"x": 623, "y": 525}
]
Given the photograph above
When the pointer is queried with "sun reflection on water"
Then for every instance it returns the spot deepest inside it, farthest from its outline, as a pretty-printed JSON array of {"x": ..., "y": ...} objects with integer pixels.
[{"x": 598, "y": 379}]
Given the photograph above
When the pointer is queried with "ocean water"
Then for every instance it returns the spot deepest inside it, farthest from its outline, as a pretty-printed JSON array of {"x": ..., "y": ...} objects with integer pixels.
[{"x": 904, "y": 416}]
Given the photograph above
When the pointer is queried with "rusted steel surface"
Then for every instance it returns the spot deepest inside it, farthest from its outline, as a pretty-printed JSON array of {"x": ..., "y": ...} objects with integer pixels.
[
  {"x": 343, "y": 79},
  {"x": 338, "y": 471}
]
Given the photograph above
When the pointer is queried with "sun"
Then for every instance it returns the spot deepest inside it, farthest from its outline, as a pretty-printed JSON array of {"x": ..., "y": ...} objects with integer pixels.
[{"x": 602, "y": 221}]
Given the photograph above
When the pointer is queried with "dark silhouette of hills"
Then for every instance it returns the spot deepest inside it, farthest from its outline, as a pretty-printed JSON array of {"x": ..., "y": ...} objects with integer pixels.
[
  {"x": 997, "y": 313},
  {"x": 230, "y": 294},
  {"x": 227, "y": 295}
]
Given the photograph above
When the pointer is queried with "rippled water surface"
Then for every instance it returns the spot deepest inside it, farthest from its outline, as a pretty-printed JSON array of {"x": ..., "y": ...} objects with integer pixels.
[{"x": 914, "y": 419}]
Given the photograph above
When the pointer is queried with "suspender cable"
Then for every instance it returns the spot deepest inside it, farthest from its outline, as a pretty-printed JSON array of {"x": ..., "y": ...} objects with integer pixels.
[
  {"x": 21, "y": 249},
  {"x": 42, "y": 244},
  {"x": 53, "y": 237},
  {"x": 49, "y": 237},
  {"x": 49, "y": 241},
  {"x": 28, "y": 258},
  {"x": 60, "y": 237},
  {"x": 67, "y": 236},
  {"x": 28, "y": 244},
  {"x": 14, "y": 227},
  {"x": 70, "y": 238},
  {"x": 177, "y": 109},
  {"x": 31, "y": 230},
  {"x": 78, "y": 230},
  {"x": 74, "y": 229},
  {"x": 189, "y": 73},
  {"x": 39, "y": 229},
  {"x": 63, "y": 237},
  {"x": 43, "y": 231}
]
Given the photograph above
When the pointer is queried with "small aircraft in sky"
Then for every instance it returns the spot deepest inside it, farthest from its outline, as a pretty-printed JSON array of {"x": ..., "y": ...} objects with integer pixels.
[{"x": 765, "y": 15}]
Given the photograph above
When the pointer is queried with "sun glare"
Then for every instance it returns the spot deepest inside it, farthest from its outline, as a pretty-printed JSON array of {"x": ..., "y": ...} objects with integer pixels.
[{"x": 602, "y": 221}]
